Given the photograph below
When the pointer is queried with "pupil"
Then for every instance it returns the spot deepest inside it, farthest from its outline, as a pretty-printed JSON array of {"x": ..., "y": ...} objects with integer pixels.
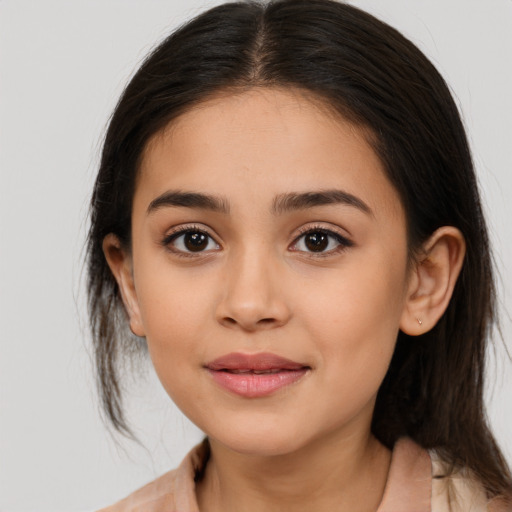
[
  {"x": 196, "y": 242},
  {"x": 317, "y": 242}
]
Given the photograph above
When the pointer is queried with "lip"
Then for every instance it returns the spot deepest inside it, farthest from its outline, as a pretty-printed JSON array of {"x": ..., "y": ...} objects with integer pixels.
[{"x": 255, "y": 375}]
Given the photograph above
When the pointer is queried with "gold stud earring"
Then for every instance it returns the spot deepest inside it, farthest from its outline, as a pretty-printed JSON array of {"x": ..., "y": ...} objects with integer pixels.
[{"x": 419, "y": 321}]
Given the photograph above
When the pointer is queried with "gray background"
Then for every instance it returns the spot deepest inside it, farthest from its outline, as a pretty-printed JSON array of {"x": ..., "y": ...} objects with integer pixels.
[{"x": 62, "y": 66}]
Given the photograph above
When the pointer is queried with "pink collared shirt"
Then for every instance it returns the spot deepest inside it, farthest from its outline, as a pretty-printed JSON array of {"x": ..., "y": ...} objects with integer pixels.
[{"x": 413, "y": 485}]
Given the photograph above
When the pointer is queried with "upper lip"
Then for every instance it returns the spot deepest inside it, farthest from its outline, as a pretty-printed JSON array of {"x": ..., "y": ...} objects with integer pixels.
[{"x": 261, "y": 361}]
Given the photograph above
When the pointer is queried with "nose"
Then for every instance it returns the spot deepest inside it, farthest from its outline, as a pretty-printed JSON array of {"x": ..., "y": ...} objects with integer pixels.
[{"x": 252, "y": 296}]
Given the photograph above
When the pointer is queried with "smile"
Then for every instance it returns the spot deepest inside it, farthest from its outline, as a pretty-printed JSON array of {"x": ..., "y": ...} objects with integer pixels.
[{"x": 255, "y": 375}]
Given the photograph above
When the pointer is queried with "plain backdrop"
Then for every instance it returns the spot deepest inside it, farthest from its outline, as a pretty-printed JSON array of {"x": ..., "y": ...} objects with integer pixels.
[{"x": 62, "y": 67}]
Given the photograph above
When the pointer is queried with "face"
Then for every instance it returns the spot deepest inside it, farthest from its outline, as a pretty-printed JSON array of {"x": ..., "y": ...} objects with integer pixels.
[{"x": 268, "y": 270}]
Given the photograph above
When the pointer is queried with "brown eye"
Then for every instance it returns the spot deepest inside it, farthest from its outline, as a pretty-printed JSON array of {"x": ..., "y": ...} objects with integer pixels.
[
  {"x": 190, "y": 241},
  {"x": 316, "y": 242},
  {"x": 195, "y": 242},
  {"x": 321, "y": 241}
]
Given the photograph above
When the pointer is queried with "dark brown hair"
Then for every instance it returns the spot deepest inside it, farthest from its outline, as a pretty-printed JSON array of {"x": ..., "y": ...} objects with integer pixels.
[{"x": 372, "y": 75}]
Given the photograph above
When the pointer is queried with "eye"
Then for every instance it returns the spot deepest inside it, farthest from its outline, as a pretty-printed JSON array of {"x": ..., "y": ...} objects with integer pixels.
[
  {"x": 190, "y": 240},
  {"x": 320, "y": 240}
]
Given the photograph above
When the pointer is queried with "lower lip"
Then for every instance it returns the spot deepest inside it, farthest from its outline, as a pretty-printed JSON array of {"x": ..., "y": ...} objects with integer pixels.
[{"x": 252, "y": 385}]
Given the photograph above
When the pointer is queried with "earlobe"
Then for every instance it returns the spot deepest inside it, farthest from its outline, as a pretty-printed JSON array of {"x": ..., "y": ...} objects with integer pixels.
[
  {"x": 120, "y": 263},
  {"x": 432, "y": 280}
]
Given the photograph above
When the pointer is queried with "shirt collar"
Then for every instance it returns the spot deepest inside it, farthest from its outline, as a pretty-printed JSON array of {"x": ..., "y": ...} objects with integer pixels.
[{"x": 408, "y": 487}]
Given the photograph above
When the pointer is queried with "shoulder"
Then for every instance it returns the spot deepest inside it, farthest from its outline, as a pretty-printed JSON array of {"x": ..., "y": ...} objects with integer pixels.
[
  {"x": 175, "y": 490},
  {"x": 460, "y": 491},
  {"x": 157, "y": 495}
]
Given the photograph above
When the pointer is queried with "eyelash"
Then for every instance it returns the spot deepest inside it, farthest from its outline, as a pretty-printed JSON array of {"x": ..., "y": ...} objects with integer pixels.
[
  {"x": 183, "y": 230},
  {"x": 343, "y": 242}
]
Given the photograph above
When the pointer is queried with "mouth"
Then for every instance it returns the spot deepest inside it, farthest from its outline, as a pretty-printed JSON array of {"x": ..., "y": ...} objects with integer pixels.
[
  {"x": 255, "y": 375},
  {"x": 255, "y": 372}
]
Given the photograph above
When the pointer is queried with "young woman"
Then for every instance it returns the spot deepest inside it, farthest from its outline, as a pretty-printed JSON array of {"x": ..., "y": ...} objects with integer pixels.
[{"x": 286, "y": 216}]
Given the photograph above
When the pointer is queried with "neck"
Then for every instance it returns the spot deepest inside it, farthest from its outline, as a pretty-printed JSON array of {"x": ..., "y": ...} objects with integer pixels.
[{"x": 336, "y": 473}]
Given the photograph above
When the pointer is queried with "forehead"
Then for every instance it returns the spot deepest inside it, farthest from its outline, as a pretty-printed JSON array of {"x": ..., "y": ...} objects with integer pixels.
[{"x": 270, "y": 140}]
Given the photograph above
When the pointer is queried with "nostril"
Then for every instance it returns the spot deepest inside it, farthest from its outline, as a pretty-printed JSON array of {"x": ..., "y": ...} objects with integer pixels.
[
  {"x": 266, "y": 321},
  {"x": 262, "y": 323},
  {"x": 251, "y": 312}
]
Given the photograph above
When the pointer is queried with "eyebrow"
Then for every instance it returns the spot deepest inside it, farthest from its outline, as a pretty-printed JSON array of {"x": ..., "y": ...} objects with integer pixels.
[
  {"x": 301, "y": 201},
  {"x": 282, "y": 203},
  {"x": 189, "y": 200}
]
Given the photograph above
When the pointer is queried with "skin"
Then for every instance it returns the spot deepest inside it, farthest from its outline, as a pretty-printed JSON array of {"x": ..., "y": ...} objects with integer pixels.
[{"x": 258, "y": 287}]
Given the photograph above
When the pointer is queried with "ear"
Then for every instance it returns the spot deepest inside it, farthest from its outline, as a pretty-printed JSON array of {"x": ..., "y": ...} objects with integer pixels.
[
  {"x": 432, "y": 280},
  {"x": 120, "y": 263}
]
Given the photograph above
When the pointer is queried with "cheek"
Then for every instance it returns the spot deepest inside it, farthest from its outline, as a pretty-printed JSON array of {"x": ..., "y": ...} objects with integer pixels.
[
  {"x": 175, "y": 309},
  {"x": 354, "y": 319}
]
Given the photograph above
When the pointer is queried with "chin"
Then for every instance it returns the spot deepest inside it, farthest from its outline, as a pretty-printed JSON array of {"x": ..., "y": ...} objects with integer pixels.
[
  {"x": 261, "y": 446},
  {"x": 260, "y": 440}
]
